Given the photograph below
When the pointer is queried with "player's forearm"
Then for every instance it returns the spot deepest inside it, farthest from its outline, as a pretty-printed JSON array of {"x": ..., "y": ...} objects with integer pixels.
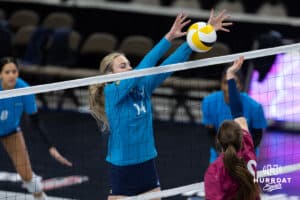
[{"x": 235, "y": 102}]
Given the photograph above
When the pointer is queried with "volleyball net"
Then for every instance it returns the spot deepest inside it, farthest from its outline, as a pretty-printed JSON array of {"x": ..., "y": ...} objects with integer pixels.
[
  {"x": 275, "y": 85},
  {"x": 147, "y": 72}
]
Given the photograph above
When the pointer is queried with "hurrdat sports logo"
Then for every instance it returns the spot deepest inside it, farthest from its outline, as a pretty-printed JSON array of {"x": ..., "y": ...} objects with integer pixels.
[{"x": 270, "y": 178}]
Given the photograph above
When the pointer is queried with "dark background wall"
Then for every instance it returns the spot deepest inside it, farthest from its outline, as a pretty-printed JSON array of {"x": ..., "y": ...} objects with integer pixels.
[{"x": 122, "y": 23}]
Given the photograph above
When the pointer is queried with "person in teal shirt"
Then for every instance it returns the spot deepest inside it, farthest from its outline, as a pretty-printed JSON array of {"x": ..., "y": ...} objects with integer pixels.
[
  {"x": 124, "y": 107},
  {"x": 215, "y": 110},
  {"x": 11, "y": 135}
]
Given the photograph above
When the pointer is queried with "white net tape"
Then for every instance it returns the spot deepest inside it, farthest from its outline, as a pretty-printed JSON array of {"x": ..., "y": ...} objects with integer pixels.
[
  {"x": 145, "y": 72},
  {"x": 198, "y": 188}
]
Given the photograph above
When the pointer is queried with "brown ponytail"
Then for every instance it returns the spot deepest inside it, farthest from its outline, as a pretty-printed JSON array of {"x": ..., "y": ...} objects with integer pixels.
[
  {"x": 230, "y": 138},
  {"x": 96, "y": 92}
]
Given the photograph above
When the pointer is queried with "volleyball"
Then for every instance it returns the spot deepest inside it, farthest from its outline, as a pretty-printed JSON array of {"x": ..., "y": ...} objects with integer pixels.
[{"x": 201, "y": 37}]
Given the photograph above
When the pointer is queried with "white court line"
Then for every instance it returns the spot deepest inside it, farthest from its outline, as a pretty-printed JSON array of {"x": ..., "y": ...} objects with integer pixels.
[{"x": 5, "y": 195}]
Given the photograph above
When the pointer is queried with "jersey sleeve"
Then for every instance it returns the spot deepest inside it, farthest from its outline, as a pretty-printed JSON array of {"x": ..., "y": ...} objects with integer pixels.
[
  {"x": 207, "y": 118},
  {"x": 29, "y": 103},
  {"x": 181, "y": 54},
  {"x": 117, "y": 91},
  {"x": 151, "y": 59},
  {"x": 248, "y": 146},
  {"x": 212, "y": 184}
]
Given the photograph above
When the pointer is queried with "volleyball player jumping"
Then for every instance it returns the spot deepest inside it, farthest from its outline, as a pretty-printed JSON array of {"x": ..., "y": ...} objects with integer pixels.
[
  {"x": 125, "y": 108},
  {"x": 231, "y": 176}
]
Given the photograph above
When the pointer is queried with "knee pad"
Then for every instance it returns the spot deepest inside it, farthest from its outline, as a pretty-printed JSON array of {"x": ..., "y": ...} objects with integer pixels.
[{"x": 34, "y": 185}]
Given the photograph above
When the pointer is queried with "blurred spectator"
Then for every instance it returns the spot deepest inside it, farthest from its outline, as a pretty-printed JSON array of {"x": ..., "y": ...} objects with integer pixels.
[
  {"x": 272, "y": 8},
  {"x": 233, "y": 5},
  {"x": 124, "y": 1}
]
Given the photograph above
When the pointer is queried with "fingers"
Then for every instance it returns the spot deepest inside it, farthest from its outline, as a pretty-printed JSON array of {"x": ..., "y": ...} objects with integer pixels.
[
  {"x": 176, "y": 29},
  {"x": 63, "y": 160},
  {"x": 183, "y": 18},
  {"x": 236, "y": 66},
  {"x": 224, "y": 29},
  {"x": 212, "y": 13},
  {"x": 226, "y": 17},
  {"x": 178, "y": 16},
  {"x": 222, "y": 14},
  {"x": 66, "y": 162},
  {"x": 238, "y": 63},
  {"x": 185, "y": 23},
  {"x": 227, "y": 24},
  {"x": 56, "y": 155},
  {"x": 241, "y": 60},
  {"x": 181, "y": 21},
  {"x": 178, "y": 19},
  {"x": 217, "y": 21}
]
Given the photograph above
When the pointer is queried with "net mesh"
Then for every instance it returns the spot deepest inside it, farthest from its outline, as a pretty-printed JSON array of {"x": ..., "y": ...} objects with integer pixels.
[{"x": 180, "y": 136}]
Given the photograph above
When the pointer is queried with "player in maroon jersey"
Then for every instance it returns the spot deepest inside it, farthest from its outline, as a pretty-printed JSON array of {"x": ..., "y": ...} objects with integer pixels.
[{"x": 231, "y": 176}]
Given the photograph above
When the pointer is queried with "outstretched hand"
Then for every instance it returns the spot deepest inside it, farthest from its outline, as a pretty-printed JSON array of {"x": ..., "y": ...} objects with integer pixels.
[
  {"x": 56, "y": 155},
  {"x": 236, "y": 66},
  {"x": 217, "y": 21},
  {"x": 176, "y": 29}
]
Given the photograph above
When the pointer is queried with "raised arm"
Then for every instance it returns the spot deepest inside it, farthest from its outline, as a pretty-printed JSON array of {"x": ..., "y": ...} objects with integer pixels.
[
  {"x": 235, "y": 103},
  {"x": 184, "y": 51},
  {"x": 121, "y": 90},
  {"x": 163, "y": 46}
]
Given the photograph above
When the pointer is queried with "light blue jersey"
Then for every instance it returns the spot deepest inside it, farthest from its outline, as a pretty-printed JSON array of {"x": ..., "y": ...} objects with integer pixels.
[
  {"x": 11, "y": 109},
  {"x": 129, "y": 112},
  {"x": 216, "y": 110}
]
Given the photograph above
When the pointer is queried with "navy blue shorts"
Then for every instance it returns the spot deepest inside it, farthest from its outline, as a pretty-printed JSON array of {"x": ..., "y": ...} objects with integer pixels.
[{"x": 133, "y": 179}]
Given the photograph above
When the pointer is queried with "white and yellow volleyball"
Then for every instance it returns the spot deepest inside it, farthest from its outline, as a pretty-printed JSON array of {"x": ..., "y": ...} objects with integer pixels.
[{"x": 201, "y": 36}]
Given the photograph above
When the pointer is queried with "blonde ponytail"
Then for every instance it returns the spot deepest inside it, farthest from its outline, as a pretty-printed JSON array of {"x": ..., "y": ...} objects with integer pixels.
[{"x": 96, "y": 93}]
